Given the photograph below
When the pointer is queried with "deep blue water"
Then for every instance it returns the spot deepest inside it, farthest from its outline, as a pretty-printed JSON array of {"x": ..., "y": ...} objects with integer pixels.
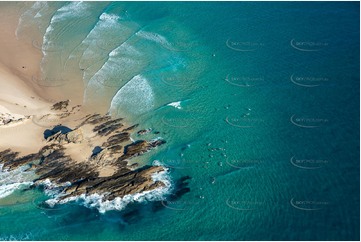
[{"x": 267, "y": 127}]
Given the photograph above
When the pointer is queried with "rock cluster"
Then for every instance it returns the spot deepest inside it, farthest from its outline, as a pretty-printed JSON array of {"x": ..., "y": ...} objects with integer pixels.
[
  {"x": 144, "y": 131},
  {"x": 75, "y": 136},
  {"x": 6, "y": 119},
  {"x": 104, "y": 171},
  {"x": 60, "y": 105}
]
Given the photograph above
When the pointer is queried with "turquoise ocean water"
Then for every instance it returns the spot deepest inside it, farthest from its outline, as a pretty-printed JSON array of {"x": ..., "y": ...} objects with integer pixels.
[{"x": 258, "y": 102}]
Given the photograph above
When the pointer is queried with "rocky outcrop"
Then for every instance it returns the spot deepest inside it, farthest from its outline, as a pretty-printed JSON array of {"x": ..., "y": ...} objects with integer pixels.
[
  {"x": 144, "y": 131},
  {"x": 8, "y": 119},
  {"x": 139, "y": 147},
  {"x": 10, "y": 159},
  {"x": 120, "y": 184},
  {"x": 75, "y": 136},
  {"x": 60, "y": 105},
  {"x": 104, "y": 170}
]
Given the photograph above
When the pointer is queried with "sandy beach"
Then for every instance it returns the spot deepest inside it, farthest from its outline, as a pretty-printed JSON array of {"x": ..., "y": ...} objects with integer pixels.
[
  {"x": 45, "y": 127},
  {"x": 24, "y": 115},
  {"x": 23, "y": 100},
  {"x": 19, "y": 99}
]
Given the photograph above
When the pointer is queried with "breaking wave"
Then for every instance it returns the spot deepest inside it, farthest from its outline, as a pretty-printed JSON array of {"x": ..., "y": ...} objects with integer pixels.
[
  {"x": 13, "y": 180},
  {"x": 136, "y": 96}
]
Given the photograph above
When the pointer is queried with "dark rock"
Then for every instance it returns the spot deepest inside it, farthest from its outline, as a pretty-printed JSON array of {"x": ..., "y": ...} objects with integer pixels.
[
  {"x": 56, "y": 129},
  {"x": 117, "y": 139},
  {"x": 139, "y": 147},
  {"x": 75, "y": 136},
  {"x": 78, "y": 177},
  {"x": 95, "y": 119},
  {"x": 144, "y": 131},
  {"x": 131, "y": 127},
  {"x": 10, "y": 160},
  {"x": 60, "y": 105}
]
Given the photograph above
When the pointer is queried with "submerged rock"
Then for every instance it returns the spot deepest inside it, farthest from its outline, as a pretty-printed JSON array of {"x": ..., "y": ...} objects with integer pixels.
[{"x": 144, "y": 131}]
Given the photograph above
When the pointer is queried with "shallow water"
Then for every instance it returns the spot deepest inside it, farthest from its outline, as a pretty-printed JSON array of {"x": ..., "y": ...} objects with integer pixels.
[{"x": 264, "y": 116}]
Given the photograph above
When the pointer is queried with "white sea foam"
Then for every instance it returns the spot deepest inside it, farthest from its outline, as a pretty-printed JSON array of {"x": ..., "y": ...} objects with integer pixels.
[
  {"x": 72, "y": 9},
  {"x": 157, "y": 38},
  {"x": 12, "y": 180},
  {"x": 136, "y": 96},
  {"x": 176, "y": 104},
  {"x": 112, "y": 17},
  {"x": 8, "y": 189},
  {"x": 52, "y": 189},
  {"x": 96, "y": 200},
  {"x": 34, "y": 13},
  {"x": 89, "y": 48},
  {"x": 69, "y": 10},
  {"x": 65, "y": 16},
  {"x": 18, "y": 237},
  {"x": 104, "y": 42}
]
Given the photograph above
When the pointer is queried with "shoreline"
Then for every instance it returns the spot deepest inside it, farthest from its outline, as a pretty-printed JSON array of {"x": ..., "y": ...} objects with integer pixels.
[
  {"x": 64, "y": 144},
  {"x": 49, "y": 131},
  {"x": 22, "y": 96}
]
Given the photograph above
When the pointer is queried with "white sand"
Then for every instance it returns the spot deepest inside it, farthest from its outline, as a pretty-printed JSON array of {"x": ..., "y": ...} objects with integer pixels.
[
  {"x": 19, "y": 97},
  {"x": 20, "y": 102},
  {"x": 26, "y": 102}
]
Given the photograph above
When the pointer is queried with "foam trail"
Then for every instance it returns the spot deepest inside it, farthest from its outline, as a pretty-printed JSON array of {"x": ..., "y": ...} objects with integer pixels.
[{"x": 157, "y": 38}]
